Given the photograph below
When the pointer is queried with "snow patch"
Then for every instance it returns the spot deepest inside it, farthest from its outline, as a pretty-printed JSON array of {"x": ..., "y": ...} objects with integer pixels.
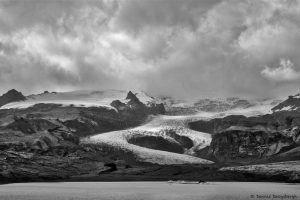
[
  {"x": 297, "y": 96},
  {"x": 286, "y": 108}
]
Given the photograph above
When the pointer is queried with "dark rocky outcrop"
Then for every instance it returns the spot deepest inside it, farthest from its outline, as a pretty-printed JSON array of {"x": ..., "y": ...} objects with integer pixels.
[
  {"x": 51, "y": 155},
  {"x": 158, "y": 108},
  {"x": 266, "y": 122},
  {"x": 30, "y": 126},
  {"x": 132, "y": 97},
  {"x": 120, "y": 106},
  {"x": 241, "y": 139},
  {"x": 156, "y": 142},
  {"x": 184, "y": 141},
  {"x": 270, "y": 122},
  {"x": 247, "y": 145},
  {"x": 11, "y": 96}
]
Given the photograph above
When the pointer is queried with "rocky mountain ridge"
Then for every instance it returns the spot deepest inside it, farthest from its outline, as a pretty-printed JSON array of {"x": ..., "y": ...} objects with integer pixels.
[
  {"x": 11, "y": 96},
  {"x": 290, "y": 104}
]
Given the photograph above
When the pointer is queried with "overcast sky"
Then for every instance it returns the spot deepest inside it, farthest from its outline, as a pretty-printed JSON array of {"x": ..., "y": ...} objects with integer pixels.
[{"x": 183, "y": 48}]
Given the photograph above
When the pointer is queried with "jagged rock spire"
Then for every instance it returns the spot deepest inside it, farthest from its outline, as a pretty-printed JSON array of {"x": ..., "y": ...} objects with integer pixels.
[{"x": 131, "y": 96}]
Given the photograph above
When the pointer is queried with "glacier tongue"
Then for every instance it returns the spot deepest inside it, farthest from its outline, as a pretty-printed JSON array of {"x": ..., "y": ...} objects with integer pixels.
[{"x": 157, "y": 127}]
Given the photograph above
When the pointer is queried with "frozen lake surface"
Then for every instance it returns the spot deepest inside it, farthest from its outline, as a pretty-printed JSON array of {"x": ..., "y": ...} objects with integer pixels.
[{"x": 148, "y": 191}]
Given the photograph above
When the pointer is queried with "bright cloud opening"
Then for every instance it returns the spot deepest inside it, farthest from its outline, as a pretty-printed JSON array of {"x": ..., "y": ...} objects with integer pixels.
[{"x": 285, "y": 72}]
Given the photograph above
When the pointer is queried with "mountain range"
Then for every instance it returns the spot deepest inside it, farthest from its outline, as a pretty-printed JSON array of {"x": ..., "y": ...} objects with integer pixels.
[{"x": 125, "y": 135}]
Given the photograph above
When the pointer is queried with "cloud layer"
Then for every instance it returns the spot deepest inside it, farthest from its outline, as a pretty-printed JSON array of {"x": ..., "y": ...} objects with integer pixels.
[
  {"x": 166, "y": 47},
  {"x": 285, "y": 72}
]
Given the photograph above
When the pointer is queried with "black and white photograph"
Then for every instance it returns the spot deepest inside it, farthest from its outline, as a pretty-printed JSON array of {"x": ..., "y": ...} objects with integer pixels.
[{"x": 149, "y": 99}]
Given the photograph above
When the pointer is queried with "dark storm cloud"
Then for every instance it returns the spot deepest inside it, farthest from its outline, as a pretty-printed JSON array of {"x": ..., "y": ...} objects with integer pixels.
[{"x": 182, "y": 48}]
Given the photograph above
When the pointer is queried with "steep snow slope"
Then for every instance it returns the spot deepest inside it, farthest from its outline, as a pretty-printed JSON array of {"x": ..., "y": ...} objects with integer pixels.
[
  {"x": 290, "y": 104},
  {"x": 81, "y": 98}
]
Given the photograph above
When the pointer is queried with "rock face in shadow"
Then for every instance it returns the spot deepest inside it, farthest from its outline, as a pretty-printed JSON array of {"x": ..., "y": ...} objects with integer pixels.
[
  {"x": 11, "y": 96},
  {"x": 89, "y": 121},
  {"x": 241, "y": 139},
  {"x": 156, "y": 142},
  {"x": 184, "y": 141},
  {"x": 265, "y": 122},
  {"x": 246, "y": 145},
  {"x": 29, "y": 126},
  {"x": 51, "y": 153}
]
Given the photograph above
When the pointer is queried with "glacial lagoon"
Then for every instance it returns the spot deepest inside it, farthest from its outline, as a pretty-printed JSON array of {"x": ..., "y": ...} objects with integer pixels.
[{"x": 149, "y": 191}]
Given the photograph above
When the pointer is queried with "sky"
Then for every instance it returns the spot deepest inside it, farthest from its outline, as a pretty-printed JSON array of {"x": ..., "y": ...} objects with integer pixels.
[{"x": 179, "y": 48}]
